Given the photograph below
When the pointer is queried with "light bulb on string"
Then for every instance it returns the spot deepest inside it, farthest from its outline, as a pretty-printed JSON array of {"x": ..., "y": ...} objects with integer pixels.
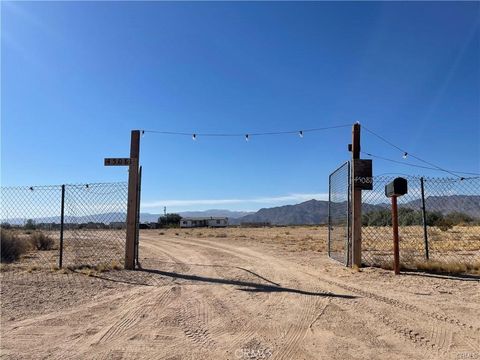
[
  {"x": 405, "y": 155},
  {"x": 194, "y": 137},
  {"x": 143, "y": 133},
  {"x": 300, "y": 133},
  {"x": 246, "y": 137}
]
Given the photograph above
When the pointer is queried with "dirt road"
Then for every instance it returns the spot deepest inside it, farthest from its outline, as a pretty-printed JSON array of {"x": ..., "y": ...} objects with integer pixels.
[{"x": 219, "y": 298}]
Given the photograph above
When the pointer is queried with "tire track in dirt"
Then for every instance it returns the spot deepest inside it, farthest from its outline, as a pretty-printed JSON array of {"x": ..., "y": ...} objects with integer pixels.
[
  {"x": 135, "y": 313},
  {"x": 438, "y": 343},
  {"x": 255, "y": 325},
  {"x": 435, "y": 342},
  {"x": 296, "y": 332},
  {"x": 236, "y": 310},
  {"x": 402, "y": 305},
  {"x": 192, "y": 318},
  {"x": 439, "y": 338}
]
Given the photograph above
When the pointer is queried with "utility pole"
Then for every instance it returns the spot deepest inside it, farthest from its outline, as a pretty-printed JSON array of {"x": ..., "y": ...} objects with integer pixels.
[
  {"x": 165, "y": 211},
  {"x": 132, "y": 200},
  {"x": 356, "y": 200}
]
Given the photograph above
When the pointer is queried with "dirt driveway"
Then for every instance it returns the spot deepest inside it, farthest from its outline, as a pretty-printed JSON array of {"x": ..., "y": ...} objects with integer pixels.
[{"x": 223, "y": 298}]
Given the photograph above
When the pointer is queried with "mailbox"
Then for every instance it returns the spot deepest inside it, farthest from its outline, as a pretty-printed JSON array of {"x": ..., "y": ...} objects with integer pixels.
[{"x": 397, "y": 187}]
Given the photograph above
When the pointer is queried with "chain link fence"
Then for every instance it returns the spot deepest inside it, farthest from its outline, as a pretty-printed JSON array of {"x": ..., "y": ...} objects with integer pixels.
[
  {"x": 439, "y": 220},
  {"x": 339, "y": 214},
  {"x": 93, "y": 231}
]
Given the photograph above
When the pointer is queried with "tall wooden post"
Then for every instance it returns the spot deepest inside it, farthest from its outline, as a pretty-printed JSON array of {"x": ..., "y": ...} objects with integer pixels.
[
  {"x": 356, "y": 201},
  {"x": 132, "y": 200},
  {"x": 396, "y": 248}
]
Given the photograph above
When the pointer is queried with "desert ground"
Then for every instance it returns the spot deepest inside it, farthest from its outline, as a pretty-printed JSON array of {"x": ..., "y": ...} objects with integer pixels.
[{"x": 238, "y": 294}]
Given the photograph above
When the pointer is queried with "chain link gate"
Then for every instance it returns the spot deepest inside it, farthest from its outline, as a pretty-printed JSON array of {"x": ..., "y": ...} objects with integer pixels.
[{"x": 339, "y": 224}]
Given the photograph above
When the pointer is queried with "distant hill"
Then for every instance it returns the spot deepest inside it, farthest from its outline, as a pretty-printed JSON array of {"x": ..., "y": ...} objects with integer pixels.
[
  {"x": 96, "y": 218},
  {"x": 214, "y": 212},
  {"x": 309, "y": 212},
  {"x": 316, "y": 211},
  {"x": 467, "y": 204},
  {"x": 147, "y": 217}
]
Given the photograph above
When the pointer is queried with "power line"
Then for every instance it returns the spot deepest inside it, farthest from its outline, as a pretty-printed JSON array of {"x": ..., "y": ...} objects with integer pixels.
[
  {"x": 420, "y": 166},
  {"x": 246, "y": 135},
  {"x": 406, "y": 153}
]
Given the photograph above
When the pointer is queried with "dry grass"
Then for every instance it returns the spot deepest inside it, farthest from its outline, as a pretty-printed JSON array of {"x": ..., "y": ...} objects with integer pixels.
[
  {"x": 90, "y": 270},
  {"x": 293, "y": 239},
  {"x": 42, "y": 242},
  {"x": 449, "y": 268},
  {"x": 458, "y": 238},
  {"x": 460, "y": 243}
]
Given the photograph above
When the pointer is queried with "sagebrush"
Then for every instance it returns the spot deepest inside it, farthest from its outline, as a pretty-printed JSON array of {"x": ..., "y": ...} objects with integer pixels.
[
  {"x": 12, "y": 247},
  {"x": 43, "y": 242}
]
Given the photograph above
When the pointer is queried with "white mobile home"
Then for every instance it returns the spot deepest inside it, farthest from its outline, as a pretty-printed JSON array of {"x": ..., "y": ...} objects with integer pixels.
[{"x": 192, "y": 222}]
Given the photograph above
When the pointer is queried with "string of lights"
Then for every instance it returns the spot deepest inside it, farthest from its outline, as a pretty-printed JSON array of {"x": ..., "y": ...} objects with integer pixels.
[
  {"x": 406, "y": 153},
  {"x": 419, "y": 166},
  {"x": 246, "y": 135}
]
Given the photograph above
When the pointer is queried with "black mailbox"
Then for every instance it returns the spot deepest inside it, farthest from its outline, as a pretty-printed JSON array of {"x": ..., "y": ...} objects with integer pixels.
[{"x": 397, "y": 187}]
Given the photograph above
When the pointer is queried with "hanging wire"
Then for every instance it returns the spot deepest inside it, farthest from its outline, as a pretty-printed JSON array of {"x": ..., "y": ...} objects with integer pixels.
[
  {"x": 419, "y": 166},
  {"x": 301, "y": 133},
  {"x": 406, "y": 153},
  {"x": 250, "y": 134}
]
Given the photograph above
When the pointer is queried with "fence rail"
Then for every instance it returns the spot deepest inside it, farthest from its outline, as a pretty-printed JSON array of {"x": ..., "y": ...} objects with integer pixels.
[{"x": 64, "y": 225}]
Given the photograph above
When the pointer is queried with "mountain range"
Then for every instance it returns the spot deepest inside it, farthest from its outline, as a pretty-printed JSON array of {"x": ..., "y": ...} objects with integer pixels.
[
  {"x": 316, "y": 211},
  {"x": 308, "y": 212}
]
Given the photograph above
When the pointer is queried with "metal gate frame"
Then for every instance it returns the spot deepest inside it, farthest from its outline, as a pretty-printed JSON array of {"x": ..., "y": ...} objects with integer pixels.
[{"x": 348, "y": 238}]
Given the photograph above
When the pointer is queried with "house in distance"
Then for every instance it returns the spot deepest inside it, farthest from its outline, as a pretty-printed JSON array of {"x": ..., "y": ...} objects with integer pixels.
[{"x": 193, "y": 222}]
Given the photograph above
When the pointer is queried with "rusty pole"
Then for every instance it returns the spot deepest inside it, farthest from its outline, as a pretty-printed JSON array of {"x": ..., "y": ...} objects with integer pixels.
[{"x": 396, "y": 248}]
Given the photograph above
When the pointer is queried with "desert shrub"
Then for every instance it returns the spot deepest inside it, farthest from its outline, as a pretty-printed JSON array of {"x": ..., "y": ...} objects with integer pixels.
[
  {"x": 221, "y": 235},
  {"x": 12, "y": 247},
  {"x": 30, "y": 225},
  {"x": 169, "y": 221},
  {"x": 40, "y": 241},
  {"x": 444, "y": 224},
  {"x": 6, "y": 226}
]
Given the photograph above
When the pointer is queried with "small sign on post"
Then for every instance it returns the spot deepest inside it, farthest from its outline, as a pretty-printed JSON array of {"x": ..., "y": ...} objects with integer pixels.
[
  {"x": 362, "y": 177},
  {"x": 117, "y": 162}
]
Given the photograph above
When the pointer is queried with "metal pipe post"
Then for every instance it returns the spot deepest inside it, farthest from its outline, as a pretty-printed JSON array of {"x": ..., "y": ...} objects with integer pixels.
[
  {"x": 62, "y": 220},
  {"x": 424, "y": 219}
]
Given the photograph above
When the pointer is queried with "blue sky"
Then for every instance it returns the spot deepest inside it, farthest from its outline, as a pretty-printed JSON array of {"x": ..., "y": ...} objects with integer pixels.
[{"x": 77, "y": 77}]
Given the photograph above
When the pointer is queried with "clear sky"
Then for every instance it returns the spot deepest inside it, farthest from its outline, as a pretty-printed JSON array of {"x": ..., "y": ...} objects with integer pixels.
[{"x": 77, "y": 77}]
